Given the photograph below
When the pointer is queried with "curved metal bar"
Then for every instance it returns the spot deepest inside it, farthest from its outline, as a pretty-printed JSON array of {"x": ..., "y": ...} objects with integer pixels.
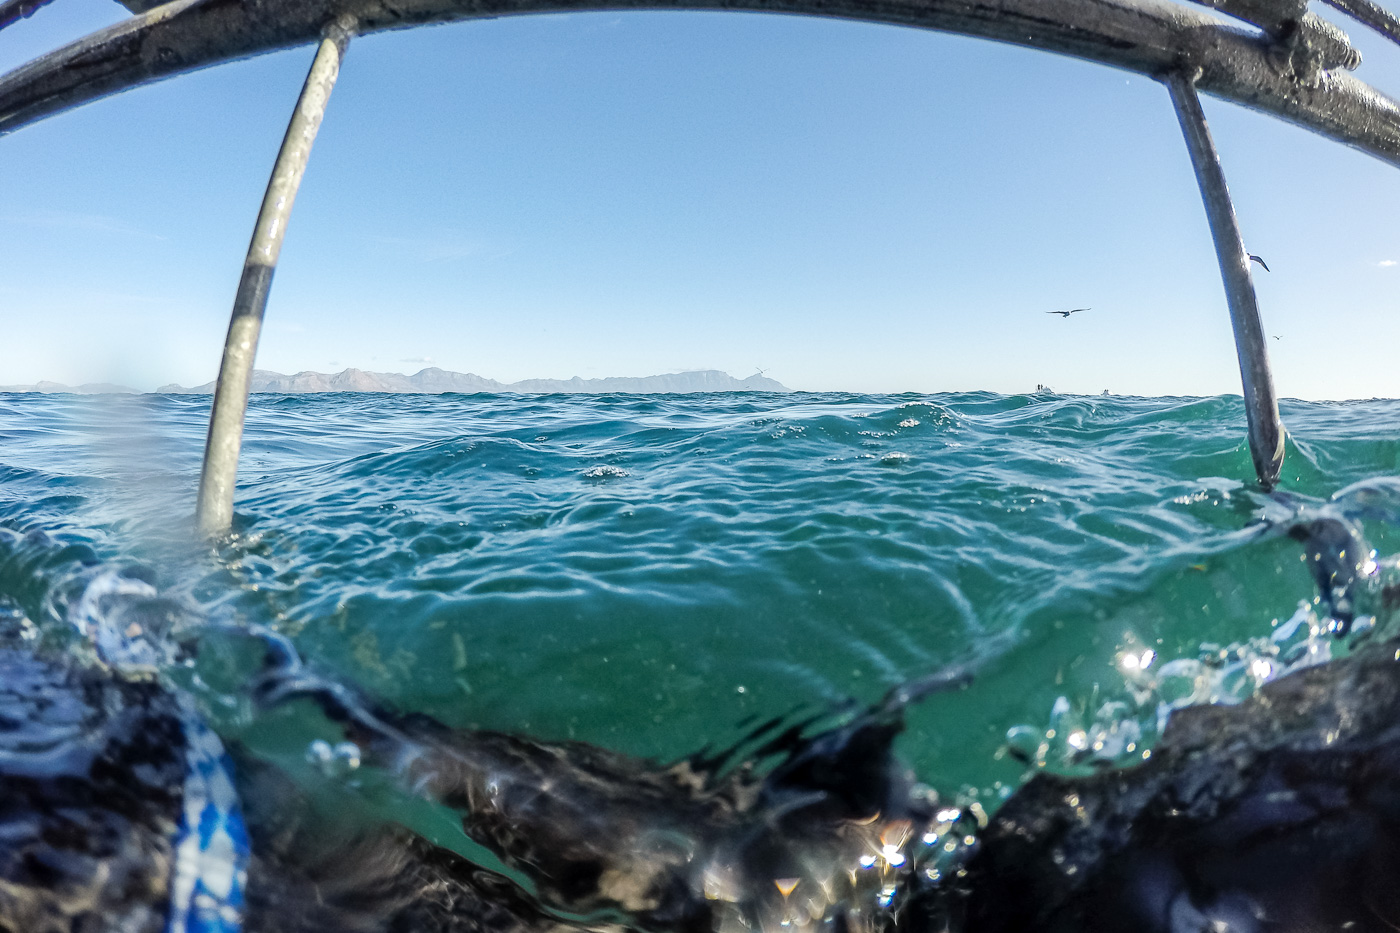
[
  {"x": 214, "y": 512},
  {"x": 12, "y": 11},
  {"x": 1272, "y": 16},
  {"x": 1370, "y": 14},
  {"x": 1150, "y": 37},
  {"x": 1260, "y": 401}
]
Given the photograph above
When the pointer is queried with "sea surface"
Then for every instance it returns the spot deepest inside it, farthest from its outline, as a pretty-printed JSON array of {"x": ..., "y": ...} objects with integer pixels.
[{"x": 653, "y": 573}]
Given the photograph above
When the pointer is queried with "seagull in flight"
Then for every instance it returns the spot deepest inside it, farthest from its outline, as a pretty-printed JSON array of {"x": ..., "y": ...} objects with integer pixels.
[
  {"x": 1254, "y": 258},
  {"x": 1066, "y": 314}
]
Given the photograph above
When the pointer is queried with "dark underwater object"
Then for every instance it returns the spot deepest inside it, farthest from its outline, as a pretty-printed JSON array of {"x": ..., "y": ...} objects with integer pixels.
[
  {"x": 90, "y": 774},
  {"x": 116, "y": 812},
  {"x": 101, "y": 765},
  {"x": 311, "y": 873},
  {"x": 1337, "y": 557},
  {"x": 828, "y": 835},
  {"x": 93, "y": 781},
  {"x": 1281, "y": 813},
  {"x": 1341, "y": 562},
  {"x": 117, "y": 804}
]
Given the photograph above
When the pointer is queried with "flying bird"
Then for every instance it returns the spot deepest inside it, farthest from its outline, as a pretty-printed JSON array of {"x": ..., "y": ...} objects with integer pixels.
[
  {"x": 1275, "y": 336},
  {"x": 1068, "y": 313},
  {"x": 1254, "y": 258}
]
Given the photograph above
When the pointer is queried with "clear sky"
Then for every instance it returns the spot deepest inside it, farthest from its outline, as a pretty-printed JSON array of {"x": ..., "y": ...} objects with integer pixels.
[{"x": 847, "y": 206}]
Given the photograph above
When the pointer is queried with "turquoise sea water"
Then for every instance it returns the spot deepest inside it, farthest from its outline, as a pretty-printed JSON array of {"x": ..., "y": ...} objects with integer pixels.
[{"x": 650, "y": 573}]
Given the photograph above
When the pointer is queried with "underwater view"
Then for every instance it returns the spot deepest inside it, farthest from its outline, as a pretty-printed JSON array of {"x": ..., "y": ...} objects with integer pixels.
[{"x": 1028, "y": 584}]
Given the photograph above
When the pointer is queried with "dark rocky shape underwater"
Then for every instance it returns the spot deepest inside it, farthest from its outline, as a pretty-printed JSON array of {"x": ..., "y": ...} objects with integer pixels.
[
  {"x": 121, "y": 811},
  {"x": 1282, "y": 813}
]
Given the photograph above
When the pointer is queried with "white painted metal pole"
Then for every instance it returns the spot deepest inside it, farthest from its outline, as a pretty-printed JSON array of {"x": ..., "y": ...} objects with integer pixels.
[
  {"x": 214, "y": 512},
  {"x": 1260, "y": 401}
]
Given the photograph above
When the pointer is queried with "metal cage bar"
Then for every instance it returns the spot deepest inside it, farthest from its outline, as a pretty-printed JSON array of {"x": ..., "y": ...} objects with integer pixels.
[
  {"x": 1370, "y": 14},
  {"x": 12, "y": 11},
  {"x": 1260, "y": 401},
  {"x": 1304, "y": 79},
  {"x": 214, "y": 509}
]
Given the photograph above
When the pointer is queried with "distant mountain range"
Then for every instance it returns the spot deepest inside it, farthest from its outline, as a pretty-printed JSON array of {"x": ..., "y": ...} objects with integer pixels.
[
  {"x": 87, "y": 388},
  {"x": 434, "y": 381}
]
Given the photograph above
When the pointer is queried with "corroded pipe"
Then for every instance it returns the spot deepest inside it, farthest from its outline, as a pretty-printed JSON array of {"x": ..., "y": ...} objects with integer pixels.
[
  {"x": 1260, "y": 402},
  {"x": 214, "y": 512},
  {"x": 1150, "y": 37}
]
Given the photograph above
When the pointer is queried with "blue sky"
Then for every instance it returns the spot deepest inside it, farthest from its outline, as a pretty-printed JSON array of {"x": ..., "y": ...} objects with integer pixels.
[{"x": 848, "y": 206}]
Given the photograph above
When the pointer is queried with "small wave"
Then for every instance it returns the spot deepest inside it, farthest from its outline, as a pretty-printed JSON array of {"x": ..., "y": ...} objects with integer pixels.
[{"x": 604, "y": 471}]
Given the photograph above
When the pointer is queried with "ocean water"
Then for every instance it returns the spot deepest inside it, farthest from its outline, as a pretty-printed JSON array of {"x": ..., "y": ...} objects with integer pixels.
[{"x": 652, "y": 573}]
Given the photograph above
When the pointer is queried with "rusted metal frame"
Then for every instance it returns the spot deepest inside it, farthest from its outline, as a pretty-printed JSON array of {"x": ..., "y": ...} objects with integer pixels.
[
  {"x": 1150, "y": 37},
  {"x": 12, "y": 11},
  {"x": 214, "y": 510},
  {"x": 1260, "y": 401}
]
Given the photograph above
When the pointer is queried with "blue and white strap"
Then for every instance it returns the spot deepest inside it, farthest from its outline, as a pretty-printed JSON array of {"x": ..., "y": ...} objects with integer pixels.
[
  {"x": 211, "y": 849},
  {"x": 210, "y": 870}
]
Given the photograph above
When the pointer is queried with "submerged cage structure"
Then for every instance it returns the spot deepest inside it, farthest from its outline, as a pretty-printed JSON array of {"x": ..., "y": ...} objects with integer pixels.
[{"x": 1274, "y": 56}]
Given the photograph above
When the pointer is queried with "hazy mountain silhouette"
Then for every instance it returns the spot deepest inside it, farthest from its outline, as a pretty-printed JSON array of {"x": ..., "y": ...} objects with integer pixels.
[
  {"x": 87, "y": 388},
  {"x": 434, "y": 381}
]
